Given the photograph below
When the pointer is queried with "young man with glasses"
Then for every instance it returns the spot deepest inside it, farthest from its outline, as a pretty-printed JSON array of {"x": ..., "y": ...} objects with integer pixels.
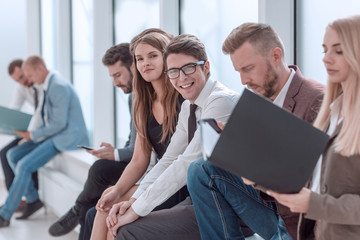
[{"x": 188, "y": 70}]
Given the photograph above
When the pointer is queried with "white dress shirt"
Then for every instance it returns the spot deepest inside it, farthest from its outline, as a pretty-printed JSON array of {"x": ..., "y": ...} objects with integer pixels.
[
  {"x": 280, "y": 98},
  {"x": 36, "y": 120},
  {"x": 27, "y": 94},
  {"x": 334, "y": 121},
  {"x": 22, "y": 94},
  {"x": 170, "y": 173}
]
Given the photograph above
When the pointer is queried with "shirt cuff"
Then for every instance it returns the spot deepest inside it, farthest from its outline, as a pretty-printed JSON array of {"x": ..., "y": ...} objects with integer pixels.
[
  {"x": 116, "y": 155},
  {"x": 137, "y": 193},
  {"x": 140, "y": 207}
]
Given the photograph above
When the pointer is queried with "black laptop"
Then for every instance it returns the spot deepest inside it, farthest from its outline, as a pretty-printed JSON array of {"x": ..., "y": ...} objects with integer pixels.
[{"x": 266, "y": 144}]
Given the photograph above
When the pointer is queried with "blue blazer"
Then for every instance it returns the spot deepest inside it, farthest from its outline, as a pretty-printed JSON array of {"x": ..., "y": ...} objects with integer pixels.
[{"x": 66, "y": 125}]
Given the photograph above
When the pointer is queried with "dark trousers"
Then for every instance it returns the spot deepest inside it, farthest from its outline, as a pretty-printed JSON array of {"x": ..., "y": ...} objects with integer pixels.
[
  {"x": 176, "y": 223},
  {"x": 8, "y": 172},
  {"x": 178, "y": 197},
  {"x": 102, "y": 174}
]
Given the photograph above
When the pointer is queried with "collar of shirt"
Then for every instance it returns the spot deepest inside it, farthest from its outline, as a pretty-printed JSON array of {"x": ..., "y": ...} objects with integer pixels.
[
  {"x": 279, "y": 100},
  {"x": 205, "y": 92},
  {"x": 44, "y": 86}
]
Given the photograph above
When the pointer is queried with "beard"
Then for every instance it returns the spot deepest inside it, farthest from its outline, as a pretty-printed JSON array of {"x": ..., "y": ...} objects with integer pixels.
[
  {"x": 128, "y": 87},
  {"x": 271, "y": 80}
]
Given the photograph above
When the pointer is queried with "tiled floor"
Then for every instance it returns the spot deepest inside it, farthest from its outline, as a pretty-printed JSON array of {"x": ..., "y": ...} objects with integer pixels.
[{"x": 34, "y": 228}]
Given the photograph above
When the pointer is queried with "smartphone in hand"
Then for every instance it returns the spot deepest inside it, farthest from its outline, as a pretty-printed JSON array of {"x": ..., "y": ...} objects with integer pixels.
[
  {"x": 85, "y": 147},
  {"x": 212, "y": 122}
]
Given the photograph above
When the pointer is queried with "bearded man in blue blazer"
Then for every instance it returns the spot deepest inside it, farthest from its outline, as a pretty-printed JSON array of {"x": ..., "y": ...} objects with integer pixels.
[{"x": 62, "y": 128}]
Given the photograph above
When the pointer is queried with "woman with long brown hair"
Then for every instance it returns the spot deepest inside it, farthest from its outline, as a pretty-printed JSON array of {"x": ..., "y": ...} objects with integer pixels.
[{"x": 156, "y": 107}]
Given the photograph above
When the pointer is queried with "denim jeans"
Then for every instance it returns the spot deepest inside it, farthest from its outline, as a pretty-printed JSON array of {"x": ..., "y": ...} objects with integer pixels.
[
  {"x": 221, "y": 198},
  {"x": 24, "y": 160},
  {"x": 89, "y": 222}
]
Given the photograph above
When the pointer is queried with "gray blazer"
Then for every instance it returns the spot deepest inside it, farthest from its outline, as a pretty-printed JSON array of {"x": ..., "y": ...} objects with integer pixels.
[
  {"x": 336, "y": 210},
  {"x": 127, "y": 151}
]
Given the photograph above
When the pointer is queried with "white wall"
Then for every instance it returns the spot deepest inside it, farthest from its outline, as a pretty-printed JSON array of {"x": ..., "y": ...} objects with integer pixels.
[{"x": 13, "y": 43}]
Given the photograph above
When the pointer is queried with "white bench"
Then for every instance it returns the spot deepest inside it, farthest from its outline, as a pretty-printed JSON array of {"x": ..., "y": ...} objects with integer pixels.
[{"x": 63, "y": 178}]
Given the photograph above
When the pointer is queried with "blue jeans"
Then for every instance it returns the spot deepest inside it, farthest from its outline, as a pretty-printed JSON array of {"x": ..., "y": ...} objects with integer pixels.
[
  {"x": 221, "y": 198},
  {"x": 89, "y": 222},
  {"x": 24, "y": 160}
]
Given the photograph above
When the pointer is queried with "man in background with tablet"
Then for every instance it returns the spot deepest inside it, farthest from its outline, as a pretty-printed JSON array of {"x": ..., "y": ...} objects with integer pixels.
[
  {"x": 25, "y": 93},
  {"x": 221, "y": 198},
  {"x": 112, "y": 162},
  {"x": 62, "y": 128}
]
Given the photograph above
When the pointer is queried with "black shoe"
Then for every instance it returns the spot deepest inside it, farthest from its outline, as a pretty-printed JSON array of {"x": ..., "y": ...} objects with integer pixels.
[
  {"x": 65, "y": 224},
  {"x": 30, "y": 209},
  {"x": 4, "y": 222}
]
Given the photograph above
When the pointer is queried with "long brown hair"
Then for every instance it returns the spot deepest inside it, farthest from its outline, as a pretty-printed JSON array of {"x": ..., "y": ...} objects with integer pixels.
[{"x": 145, "y": 94}]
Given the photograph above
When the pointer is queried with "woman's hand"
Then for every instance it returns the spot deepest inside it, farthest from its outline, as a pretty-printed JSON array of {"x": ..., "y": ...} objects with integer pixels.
[
  {"x": 109, "y": 197},
  {"x": 125, "y": 215},
  {"x": 298, "y": 202}
]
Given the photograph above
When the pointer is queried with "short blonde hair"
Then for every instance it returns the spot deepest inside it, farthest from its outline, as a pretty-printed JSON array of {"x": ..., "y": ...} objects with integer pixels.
[
  {"x": 34, "y": 61},
  {"x": 261, "y": 36}
]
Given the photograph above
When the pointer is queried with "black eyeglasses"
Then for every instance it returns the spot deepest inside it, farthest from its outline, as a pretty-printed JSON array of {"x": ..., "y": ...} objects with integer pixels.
[{"x": 186, "y": 69}]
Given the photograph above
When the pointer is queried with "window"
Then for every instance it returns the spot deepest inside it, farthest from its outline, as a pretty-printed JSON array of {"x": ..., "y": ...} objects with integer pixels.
[
  {"x": 49, "y": 33},
  {"x": 310, "y": 33},
  {"x": 212, "y": 24},
  {"x": 82, "y": 57},
  {"x": 131, "y": 17}
]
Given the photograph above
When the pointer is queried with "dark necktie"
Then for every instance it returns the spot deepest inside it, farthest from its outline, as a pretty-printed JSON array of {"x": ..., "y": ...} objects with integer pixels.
[
  {"x": 192, "y": 122},
  {"x": 36, "y": 98},
  {"x": 43, "y": 108}
]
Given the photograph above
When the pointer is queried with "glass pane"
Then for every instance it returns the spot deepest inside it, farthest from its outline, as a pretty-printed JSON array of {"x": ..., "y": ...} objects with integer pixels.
[
  {"x": 212, "y": 25},
  {"x": 142, "y": 14},
  {"x": 49, "y": 35},
  {"x": 82, "y": 58},
  {"x": 13, "y": 44},
  {"x": 311, "y": 33}
]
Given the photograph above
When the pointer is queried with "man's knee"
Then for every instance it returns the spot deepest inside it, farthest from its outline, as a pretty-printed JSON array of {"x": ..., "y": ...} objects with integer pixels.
[
  {"x": 195, "y": 173},
  {"x": 97, "y": 169},
  {"x": 10, "y": 155}
]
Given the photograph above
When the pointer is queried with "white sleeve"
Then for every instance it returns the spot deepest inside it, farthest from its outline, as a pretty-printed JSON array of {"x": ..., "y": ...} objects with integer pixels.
[
  {"x": 18, "y": 99},
  {"x": 170, "y": 173}
]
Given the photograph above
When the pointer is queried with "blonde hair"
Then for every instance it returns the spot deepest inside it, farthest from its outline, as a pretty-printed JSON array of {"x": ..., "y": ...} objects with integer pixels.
[
  {"x": 145, "y": 94},
  {"x": 34, "y": 61},
  {"x": 261, "y": 36},
  {"x": 348, "y": 141}
]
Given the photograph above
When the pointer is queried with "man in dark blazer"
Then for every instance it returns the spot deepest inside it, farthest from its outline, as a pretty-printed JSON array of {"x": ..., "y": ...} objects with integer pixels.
[
  {"x": 257, "y": 53},
  {"x": 112, "y": 162},
  {"x": 62, "y": 128}
]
